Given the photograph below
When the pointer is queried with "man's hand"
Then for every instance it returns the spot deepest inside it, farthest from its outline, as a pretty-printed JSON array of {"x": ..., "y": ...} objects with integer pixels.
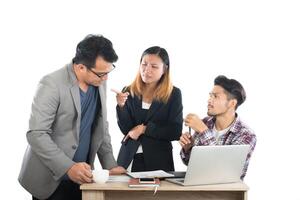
[
  {"x": 135, "y": 132},
  {"x": 186, "y": 141},
  {"x": 193, "y": 121},
  {"x": 117, "y": 170},
  {"x": 80, "y": 173}
]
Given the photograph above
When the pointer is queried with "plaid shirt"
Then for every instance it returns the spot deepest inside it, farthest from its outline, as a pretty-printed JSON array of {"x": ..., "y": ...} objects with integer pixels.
[{"x": 238, "y": 134}]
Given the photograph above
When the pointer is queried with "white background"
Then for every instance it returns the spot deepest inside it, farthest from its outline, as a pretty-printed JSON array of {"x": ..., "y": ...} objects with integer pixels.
[{"x": 256, "y": 42}]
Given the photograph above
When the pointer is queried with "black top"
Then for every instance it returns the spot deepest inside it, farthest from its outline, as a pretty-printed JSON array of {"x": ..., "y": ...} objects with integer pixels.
[{"x": 164, "y": 124}]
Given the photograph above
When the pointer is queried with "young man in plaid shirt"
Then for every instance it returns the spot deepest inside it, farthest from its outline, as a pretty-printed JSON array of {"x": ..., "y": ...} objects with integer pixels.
[{"x": 222, "y": 126}]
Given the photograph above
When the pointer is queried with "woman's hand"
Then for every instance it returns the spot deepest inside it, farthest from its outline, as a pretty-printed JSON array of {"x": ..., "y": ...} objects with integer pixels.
[
  {"x": 135, "y": 132},
  {"x": 121, "y": 97}
]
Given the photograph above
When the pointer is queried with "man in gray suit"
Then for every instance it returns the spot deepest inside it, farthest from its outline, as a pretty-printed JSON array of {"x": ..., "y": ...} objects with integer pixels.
[{"x": 68, "y": 125}]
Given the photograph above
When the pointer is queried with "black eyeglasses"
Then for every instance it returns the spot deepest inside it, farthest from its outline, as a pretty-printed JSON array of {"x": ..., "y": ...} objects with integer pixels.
[{"x": 100, "y": 75}]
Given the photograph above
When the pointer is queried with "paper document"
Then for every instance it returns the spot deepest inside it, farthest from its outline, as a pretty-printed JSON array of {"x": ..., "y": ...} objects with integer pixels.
[
  {"x": 150, "y": 174},
  {"x": 118, "y": 178}
]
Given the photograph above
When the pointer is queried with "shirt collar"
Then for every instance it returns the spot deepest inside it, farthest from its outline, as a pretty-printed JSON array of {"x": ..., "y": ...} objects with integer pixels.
[
  {"x": 72, "y": 75},
  {"x": 235, "y": 126}
]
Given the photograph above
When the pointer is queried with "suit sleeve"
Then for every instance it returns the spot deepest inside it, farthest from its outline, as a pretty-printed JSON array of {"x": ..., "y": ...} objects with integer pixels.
[
  {"x": 43, "y": 113},
  {"x": 125, "y": 117},
  {"x": 171, "y": 129}
]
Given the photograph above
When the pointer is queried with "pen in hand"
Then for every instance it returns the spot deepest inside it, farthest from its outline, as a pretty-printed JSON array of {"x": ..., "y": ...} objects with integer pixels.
[
  {"x": 121, "y": 96},
  {"x": 124, "y": 89},
  {"x": 125, "y": 139},
  {"x": 190, "y": 133}
]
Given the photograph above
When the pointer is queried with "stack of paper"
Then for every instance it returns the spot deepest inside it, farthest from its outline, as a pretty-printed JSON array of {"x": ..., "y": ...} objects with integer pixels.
[
  {"x": 150, "y": 174},
  {"x": 118, "y": 178}
]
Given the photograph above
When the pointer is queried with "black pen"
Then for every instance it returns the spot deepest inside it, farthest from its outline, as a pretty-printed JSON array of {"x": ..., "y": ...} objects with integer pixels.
[
  {"x": 125, "y": 140},
  {"x": 124, "y": 89},
  {"x": 117, "y": 91}
]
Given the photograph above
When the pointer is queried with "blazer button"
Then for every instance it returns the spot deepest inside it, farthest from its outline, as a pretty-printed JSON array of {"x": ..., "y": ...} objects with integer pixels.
[{"x": 74, "y": 146}]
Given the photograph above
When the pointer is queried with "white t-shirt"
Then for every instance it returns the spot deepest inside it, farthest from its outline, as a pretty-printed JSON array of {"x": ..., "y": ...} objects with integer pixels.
[{"x": 218, "y": 134}]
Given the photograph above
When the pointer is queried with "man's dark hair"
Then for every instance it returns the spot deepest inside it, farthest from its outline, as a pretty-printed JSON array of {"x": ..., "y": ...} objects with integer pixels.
[
  {"x": 234, "y": 89},
  {"x": 91, "y": 47}
]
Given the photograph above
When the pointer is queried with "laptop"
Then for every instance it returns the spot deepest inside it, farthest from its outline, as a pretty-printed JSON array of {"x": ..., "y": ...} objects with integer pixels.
[{"x": 214, "y": 165}]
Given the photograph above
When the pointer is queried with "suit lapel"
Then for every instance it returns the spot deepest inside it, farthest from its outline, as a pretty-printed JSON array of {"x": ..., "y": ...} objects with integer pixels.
[
  {"x": 76, "y": 100},
  {"x": 102, "y": 99},
  {"x": 74, "y": 89},
  {"x": 152, "y": 110}
]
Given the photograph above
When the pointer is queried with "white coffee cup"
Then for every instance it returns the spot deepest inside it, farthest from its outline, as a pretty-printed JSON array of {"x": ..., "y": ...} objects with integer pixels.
[{"x": 100, "y": 175}]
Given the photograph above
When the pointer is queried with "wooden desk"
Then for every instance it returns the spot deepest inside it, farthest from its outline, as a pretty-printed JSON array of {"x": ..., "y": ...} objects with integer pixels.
[{"x": 113, "y": 191}]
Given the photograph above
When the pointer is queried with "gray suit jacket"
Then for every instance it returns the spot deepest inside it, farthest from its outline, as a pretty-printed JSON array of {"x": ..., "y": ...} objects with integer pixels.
[{"x": 54, "y": 133}]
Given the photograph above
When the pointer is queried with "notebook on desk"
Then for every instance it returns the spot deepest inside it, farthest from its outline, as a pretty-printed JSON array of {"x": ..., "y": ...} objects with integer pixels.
[{"x": 214, "y": 165}]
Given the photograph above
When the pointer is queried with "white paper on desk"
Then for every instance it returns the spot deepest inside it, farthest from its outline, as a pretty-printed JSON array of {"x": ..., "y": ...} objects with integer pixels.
[
  {"x": 150, "y": 174},
  {"x": 118, "y": 178}
]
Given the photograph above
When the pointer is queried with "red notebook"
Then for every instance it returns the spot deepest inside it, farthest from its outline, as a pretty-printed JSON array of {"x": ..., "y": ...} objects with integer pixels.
[{"x": 135, "y": 182}]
